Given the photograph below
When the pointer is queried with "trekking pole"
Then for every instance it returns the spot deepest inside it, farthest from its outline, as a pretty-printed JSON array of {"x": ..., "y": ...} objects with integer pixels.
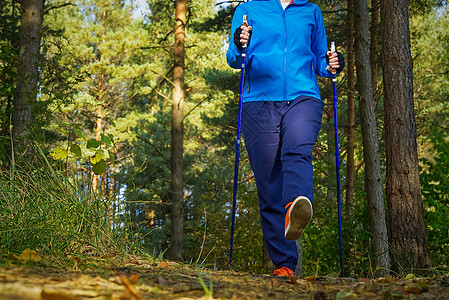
[
  {"x": 337, "y": 162},
  {"x": 237, "y": 146}
]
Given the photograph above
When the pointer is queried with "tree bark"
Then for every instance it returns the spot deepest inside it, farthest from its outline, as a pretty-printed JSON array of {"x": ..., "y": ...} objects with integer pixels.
[
  {"x": 406, "y": 228},
  {"x": 374, "y": 44},
  {"x": 176, "y": 193},
  {"x": 299, "y": 265},
  {"x": 350, "y": 171},
  {"x": 28, "y": 66},
  {"x": 99, "y": 121},
  {"x": 373, "y": 178},
  {"x": 266, "y": 260}
]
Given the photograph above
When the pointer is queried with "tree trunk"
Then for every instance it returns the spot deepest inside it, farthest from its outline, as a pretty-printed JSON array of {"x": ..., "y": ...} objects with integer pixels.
[
  {"x": 176, "y": 193},
  {"x": 111, "y": 190},
  {"x": 299, "y": 266},
  {"x": 99, "y": 122},
  {"x": 374, "y": 43},
  {"x": 406, "y": 230},
  {"x": 350, "y": 172},
  {"x": 266, "y": 260},
  {"x": 28, "y": 66},
  {"x": 100, "y": 103},
  {"x": 373, "y": 178}
]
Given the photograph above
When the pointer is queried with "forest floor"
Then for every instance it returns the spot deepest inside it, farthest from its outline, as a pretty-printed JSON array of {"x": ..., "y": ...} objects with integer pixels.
[{"x": 138, "y": 279}]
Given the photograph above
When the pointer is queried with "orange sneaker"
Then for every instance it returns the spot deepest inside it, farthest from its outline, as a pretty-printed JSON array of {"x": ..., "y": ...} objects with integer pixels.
[
  {"x": 297, "y": 217},
  {"x": 284, "y": 271}
]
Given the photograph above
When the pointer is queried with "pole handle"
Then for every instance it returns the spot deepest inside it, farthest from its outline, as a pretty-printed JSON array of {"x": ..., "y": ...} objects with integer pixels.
[
  {"x": 334, "y": 71},
  {"x": 245, "y": 22}
]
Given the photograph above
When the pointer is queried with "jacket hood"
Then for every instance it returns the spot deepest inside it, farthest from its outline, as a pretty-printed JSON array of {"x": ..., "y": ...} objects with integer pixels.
[
  {"x": 300, "y": 1},
  {"x": 295, "y": 1}
]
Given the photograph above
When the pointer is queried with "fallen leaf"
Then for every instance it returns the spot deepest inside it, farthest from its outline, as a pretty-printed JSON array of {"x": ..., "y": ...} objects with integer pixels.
[
  {"x": 29, "y": 255},
  {"x": 55, "y": 296},
  {"x": 320, "y": 296},
  {"x": 13, "y": 256},
  {"x": 165, "y": 265},
  {"x": 133, "y": 278},
  {"x": 116, "y": 280},
  {"x": 133, "y": 261},
  {"x": 311, "y": 278},
  {"x": 412, "y": 289},
  {"x": 179, "y": 288},
  {"x": 130, "y": 287},
  {"x": 397, "y": 293},
  {"x": 388, "y": 279},
  {"x": 293, "y": 280},
  {"x": 346, "y": 295},
  {"x": 164, "y": 282},
  {"x": 274, "y": 283}
]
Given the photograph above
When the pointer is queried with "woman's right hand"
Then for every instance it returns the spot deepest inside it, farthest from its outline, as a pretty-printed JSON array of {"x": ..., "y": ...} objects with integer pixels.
[{"x": 242, "y": 36}]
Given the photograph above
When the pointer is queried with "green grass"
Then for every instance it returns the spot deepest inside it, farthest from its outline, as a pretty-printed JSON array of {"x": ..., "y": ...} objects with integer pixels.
[{"x": 55, "y": 213}]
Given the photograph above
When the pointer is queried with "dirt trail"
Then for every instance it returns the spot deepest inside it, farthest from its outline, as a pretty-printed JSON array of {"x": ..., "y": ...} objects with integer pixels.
[{"x": 174, "y": 281}]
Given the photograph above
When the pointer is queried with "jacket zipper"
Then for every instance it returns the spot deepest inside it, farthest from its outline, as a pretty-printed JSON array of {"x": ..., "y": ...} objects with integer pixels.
[{"x": 284, "y": 91}]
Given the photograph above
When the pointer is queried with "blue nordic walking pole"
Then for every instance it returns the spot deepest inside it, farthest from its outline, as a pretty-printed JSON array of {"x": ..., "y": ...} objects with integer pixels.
[
  {"x": 337, "y": 162},
  {"x": 237, "y": 146}
]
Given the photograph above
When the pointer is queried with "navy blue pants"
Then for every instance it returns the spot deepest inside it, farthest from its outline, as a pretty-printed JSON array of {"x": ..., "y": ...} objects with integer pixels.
[{"x": 279, "y": 137}]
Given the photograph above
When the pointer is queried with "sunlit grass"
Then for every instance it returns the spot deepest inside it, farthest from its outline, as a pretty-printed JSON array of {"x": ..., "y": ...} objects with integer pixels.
[{"x": 55, "y": 213}]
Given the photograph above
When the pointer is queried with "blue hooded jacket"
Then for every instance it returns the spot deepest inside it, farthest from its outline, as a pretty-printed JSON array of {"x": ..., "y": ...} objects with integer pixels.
[{"x": 286, "y": 51}]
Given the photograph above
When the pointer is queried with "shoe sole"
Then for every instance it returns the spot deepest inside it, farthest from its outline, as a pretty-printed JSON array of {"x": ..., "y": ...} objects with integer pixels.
[{"x": 300, "y": 214}]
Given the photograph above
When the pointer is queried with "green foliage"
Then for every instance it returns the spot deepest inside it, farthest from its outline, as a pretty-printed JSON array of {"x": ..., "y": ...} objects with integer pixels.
[
  {"x": 425, "y": 6},
  {"x": 9, "y": 41},
  {"x": 435, "y": 190},
  {"x": 430, "y": 49},
  {"x": 95, "y": 152}
]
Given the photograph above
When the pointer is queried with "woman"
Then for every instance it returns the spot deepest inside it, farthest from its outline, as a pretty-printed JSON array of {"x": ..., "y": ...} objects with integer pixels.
[{"x": 282, "y": 111}]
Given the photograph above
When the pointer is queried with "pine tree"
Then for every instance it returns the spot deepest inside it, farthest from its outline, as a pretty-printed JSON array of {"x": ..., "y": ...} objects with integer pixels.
[
  {"x": 373, "y": 179},
  {"x": 406, "y": 229},
  {"x": 28, "y": 67}
]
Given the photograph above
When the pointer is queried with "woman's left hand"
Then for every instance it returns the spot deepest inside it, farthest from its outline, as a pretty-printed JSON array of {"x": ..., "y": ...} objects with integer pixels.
[{"x": 333, "y": 60}]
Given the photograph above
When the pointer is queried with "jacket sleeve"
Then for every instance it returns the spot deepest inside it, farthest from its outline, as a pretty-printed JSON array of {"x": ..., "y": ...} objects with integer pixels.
[
  {"x": 319, "y": 45},
  {"x": 234, "y": 55}
]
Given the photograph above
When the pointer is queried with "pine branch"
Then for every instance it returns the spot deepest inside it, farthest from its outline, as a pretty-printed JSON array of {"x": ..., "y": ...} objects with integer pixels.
[
  {"x": 155, "y": 148},
  {"x": 235, "y": 1},
  {"x": 58, "y": 6}
]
